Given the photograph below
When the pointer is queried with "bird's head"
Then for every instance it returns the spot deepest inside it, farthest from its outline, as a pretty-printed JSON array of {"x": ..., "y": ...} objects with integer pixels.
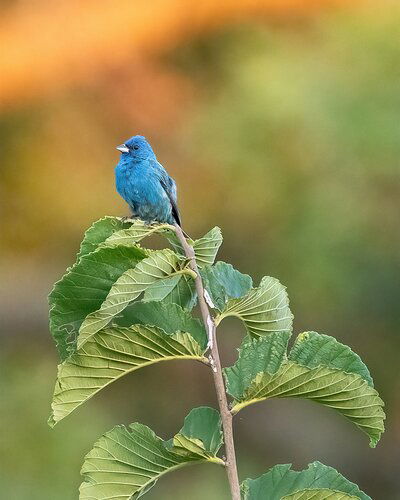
[{"x": 137, "y": 148}]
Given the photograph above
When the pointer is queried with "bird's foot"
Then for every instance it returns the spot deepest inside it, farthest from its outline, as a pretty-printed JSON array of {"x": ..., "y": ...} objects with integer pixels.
[{"x": 129, "y": 218}]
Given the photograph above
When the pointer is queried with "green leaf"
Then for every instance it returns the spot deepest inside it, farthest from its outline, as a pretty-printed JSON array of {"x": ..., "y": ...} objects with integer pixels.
[
  {"x": 256, "y": 356},
  {"x": 137, "y": 231},
  {"x": 205, "y": 248},
  {"x": 184, "y": 294},
  {"x": 313, "y": 349},
  {"x": 83, "y": 289},
  {"x": 99, "y": 231},
  {"x": 179, "y": 289},
  {"x": 348, "y": 393},
  {"x": 169, "y": 317},
  {"x": 223, "y": 282},
  {"x": 108, "y": 250},
  {"x": 157, "y": 266},
  {"x": 263, "y": 310},
  {"x": 319, "y": 494},
  {"x": 161, "y": 288},
  {"x": 201, "y": 434},
  {"x": 126, "y": 462},
  {"x": 281, "y": 481},
  {"x": 112, "y": 353}
]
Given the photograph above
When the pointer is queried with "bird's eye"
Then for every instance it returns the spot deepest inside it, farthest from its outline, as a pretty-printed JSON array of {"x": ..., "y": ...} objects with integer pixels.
[{"x": 135, "y": 147}]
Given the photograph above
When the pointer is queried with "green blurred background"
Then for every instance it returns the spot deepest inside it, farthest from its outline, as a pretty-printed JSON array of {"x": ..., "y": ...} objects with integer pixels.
[{"x": 281, "y": 125}]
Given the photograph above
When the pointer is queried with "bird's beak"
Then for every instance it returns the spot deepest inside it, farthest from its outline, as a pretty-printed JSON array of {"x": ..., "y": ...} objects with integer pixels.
[{"x": 123, "y": 148}]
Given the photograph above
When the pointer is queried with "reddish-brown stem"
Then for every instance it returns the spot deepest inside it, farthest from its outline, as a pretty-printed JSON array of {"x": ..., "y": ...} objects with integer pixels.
[{"x": 215, "y": 364}]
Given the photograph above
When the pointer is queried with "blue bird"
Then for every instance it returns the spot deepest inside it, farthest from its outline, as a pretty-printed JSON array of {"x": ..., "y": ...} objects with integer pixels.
[{"x": 145, "y": 184}]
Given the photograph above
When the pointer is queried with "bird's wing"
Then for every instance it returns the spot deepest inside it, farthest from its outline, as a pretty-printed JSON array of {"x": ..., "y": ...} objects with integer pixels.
[{"x": 169, "y": 187}]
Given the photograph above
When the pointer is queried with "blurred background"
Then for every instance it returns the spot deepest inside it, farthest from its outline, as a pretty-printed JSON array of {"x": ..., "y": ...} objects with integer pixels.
[{"x": 280, "y": 122}]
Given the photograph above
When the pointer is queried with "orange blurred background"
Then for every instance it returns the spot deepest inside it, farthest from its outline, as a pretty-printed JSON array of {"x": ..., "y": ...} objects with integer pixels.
[{"x": 279, "y": 121}]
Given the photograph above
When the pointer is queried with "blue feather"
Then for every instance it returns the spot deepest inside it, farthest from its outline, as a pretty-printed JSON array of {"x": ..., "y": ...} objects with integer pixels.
[{"x": 145, "y": 184}]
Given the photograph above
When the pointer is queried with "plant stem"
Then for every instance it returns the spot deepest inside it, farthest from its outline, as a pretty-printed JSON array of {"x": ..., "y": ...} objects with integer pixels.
[{"x": 215, "y": 362}]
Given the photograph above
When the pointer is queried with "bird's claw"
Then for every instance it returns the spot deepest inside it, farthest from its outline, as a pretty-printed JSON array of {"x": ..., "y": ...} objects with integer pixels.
[{"x": 129, "y": 218}]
